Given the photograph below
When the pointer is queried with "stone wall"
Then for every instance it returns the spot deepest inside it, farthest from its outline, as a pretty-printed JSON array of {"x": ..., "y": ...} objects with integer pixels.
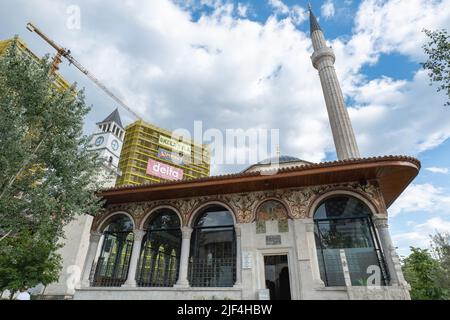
[{"x": 297, "y": 241}]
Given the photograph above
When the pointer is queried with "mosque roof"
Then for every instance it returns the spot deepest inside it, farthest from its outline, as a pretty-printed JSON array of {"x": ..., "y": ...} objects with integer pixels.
[{"x": 392, "y": 173}]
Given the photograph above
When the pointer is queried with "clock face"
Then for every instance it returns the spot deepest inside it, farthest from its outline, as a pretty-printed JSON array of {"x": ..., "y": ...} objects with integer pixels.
[
  {"x": 99, "y": 141},
  {"x": 115, "y": 145}
]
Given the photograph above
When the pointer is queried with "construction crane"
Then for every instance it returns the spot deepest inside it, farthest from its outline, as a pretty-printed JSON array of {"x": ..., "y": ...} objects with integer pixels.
[{"x": 62, "y": 52}]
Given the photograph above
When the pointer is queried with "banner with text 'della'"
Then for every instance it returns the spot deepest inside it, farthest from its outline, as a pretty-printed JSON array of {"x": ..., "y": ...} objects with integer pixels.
[{"x": 164, "y": 171}]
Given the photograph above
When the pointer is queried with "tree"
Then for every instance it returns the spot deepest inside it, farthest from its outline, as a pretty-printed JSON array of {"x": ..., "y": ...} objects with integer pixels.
[
  {"x": 440, "y": 246},
  {"x": 28, "y": 259},
  {"x": 438, "y": 63},
  {"x": 420, "y": 270},
  {"x": 47, "y": 175}
]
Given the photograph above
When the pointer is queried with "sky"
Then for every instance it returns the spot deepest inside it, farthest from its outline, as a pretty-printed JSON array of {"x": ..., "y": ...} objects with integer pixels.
[{"x": 246, "y": 64}]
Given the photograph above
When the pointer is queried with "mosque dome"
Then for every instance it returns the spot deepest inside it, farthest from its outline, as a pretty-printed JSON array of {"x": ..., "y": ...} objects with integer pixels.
[{"x": 283, "y": 161}]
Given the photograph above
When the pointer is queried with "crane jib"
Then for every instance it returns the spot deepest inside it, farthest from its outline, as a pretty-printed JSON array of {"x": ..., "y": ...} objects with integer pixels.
[{"x": 66, "y": 54}]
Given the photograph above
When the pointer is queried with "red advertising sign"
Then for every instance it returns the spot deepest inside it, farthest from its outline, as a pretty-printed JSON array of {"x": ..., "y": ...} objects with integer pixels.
[{"x": 164, "y": 171}]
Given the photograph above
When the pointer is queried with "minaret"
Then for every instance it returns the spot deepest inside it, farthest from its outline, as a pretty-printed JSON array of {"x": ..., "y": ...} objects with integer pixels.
[{"x": 323, "y": 60}]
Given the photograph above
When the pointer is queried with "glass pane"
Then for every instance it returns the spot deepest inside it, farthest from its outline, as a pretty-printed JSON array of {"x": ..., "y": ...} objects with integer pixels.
[
  {"x": 165, "y": 219},
  {"x": 114, "y": 260},
  {"x": 213, "y": 247},
  {"x": 341, "y": 207},
  {"x": 215, "y": 216},
  {"x": 159, "y": 259},
  {"x": 331, "y": 267},
  {"x": 213, "y": 259},
  {"x": 359, "y": 259},
  {"x": 120, "y": 224},
  {"x": 352, "y": 235}
]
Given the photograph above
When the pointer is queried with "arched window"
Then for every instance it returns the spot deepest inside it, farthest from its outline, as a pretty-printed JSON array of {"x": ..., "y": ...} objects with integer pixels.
[
  {"x": 160, "y": 253},
  {"x": 212, "y": 260},
  {"x": 344, "y": 222},
  {"x": 114, "y": 260},
  {"x": 271, "y": 210}
]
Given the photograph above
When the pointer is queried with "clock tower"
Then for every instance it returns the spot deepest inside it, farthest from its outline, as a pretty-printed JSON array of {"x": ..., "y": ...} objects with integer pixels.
[{"x": 107, "y": 142}]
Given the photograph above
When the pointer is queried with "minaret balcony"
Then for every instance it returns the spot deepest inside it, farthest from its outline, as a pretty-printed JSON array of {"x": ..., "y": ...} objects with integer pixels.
[{"x": 321, "y": 54}]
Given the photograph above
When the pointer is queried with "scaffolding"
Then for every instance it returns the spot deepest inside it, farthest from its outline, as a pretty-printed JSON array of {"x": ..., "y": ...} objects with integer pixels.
[{"x": 142, "y": 143}]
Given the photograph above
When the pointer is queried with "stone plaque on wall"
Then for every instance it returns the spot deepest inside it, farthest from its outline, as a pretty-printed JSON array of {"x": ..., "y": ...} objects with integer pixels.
[
  {"x": 273, "y": 240},
  {"x": 247, "y": 260}
]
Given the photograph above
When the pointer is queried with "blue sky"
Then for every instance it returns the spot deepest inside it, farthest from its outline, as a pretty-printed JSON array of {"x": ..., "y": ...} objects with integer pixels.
[{"x": 246, "y": 64}]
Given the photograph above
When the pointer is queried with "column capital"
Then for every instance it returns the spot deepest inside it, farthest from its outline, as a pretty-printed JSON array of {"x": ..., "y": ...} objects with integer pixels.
[
  {"x": 238, "y": 230},
  {"x": 310, "y": 227},
  {"x": 95, "y": 236},
  {"x": 186, "y": 232},
  {"x": 139, "y": 234},
  {"x": 380, "y": 221}
]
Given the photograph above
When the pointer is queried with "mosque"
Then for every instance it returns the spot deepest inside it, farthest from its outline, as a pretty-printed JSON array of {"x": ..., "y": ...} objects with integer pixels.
[{"x": 308, "y": 231}]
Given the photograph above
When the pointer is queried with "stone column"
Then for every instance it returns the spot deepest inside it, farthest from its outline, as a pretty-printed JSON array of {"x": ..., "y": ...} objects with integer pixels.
[
  {"x": 382, "y": 227},
  {"x": 94, "y": 240},
  {"x": 238, "y": 231},
  {"x": 183, "y": 281},
  {"x": 135, "y": 253},
  {"x": 311, "y": 241}
]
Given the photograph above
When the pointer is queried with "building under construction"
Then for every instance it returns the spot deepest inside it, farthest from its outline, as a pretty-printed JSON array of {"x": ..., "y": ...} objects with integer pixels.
[
  {"x": 151, "y": 155},
  {"x": 23, "y": 48}
]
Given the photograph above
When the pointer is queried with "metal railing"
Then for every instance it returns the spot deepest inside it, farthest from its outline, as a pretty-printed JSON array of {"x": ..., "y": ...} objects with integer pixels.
[{"x": 215, "y": 272}]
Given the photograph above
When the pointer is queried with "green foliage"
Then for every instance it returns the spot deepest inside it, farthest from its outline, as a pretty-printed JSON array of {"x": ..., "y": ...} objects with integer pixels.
[
  {"x": 441, "y": 251},
  {"x": 28, "y": 259},
  {"x": 438, "y": 63},
  {"x": 47, "y": 174},
  {"x": 429, "y": 276}
]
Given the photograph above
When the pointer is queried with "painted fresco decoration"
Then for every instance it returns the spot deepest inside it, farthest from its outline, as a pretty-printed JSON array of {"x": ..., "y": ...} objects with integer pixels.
[
  {"x": 244, "y": 206},
  {"x": 271, "y": 210}
]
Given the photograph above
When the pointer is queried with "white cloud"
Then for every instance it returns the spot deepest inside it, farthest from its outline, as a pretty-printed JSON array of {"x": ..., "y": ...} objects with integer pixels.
[
  {"x": 232, "y": 72},
  {"x": 438, "y": 170},
  {"x": 279, "y": 6},
  {"x": 328, "y": 11},
  {"x": 296, "y": 14},
  {"x": 420, "y": 234},
  {"x": 389, "y": 116},
  {"x": 242, "y": 10},
  {"x": 422, "y": 198},
  {"x": 396, "y": 26}
]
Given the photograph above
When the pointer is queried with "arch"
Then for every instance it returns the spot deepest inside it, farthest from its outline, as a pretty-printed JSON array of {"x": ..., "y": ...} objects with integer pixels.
[
  {"x": 103, "y": 224},
  {"x": 281, "y": 201},
  {"x": 149, "y": 215},
  {"x": 198, "y": 210},
  {"x": 339, "y": 192},
  {"x": 213, "y": 250},
  {"x": 159, "y": 257},
  {"x": 115, "y": 254},
  {"x": 343, "y": 222}
]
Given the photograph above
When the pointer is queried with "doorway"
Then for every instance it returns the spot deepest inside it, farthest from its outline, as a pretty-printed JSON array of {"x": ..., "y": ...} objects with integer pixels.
[{"x": 277, "y": 277}]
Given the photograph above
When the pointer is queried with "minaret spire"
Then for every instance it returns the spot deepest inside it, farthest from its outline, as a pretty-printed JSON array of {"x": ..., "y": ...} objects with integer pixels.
[
  {"x": 314, "y": 25},
  {"x": 323, "y": 60}
]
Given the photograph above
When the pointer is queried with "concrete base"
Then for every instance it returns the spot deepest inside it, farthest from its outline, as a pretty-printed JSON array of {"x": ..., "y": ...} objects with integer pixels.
[
  {"x": 177, "y": 293},
  {"x": 74, "y": 254},
  {"x": 158, "y": 294}
]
